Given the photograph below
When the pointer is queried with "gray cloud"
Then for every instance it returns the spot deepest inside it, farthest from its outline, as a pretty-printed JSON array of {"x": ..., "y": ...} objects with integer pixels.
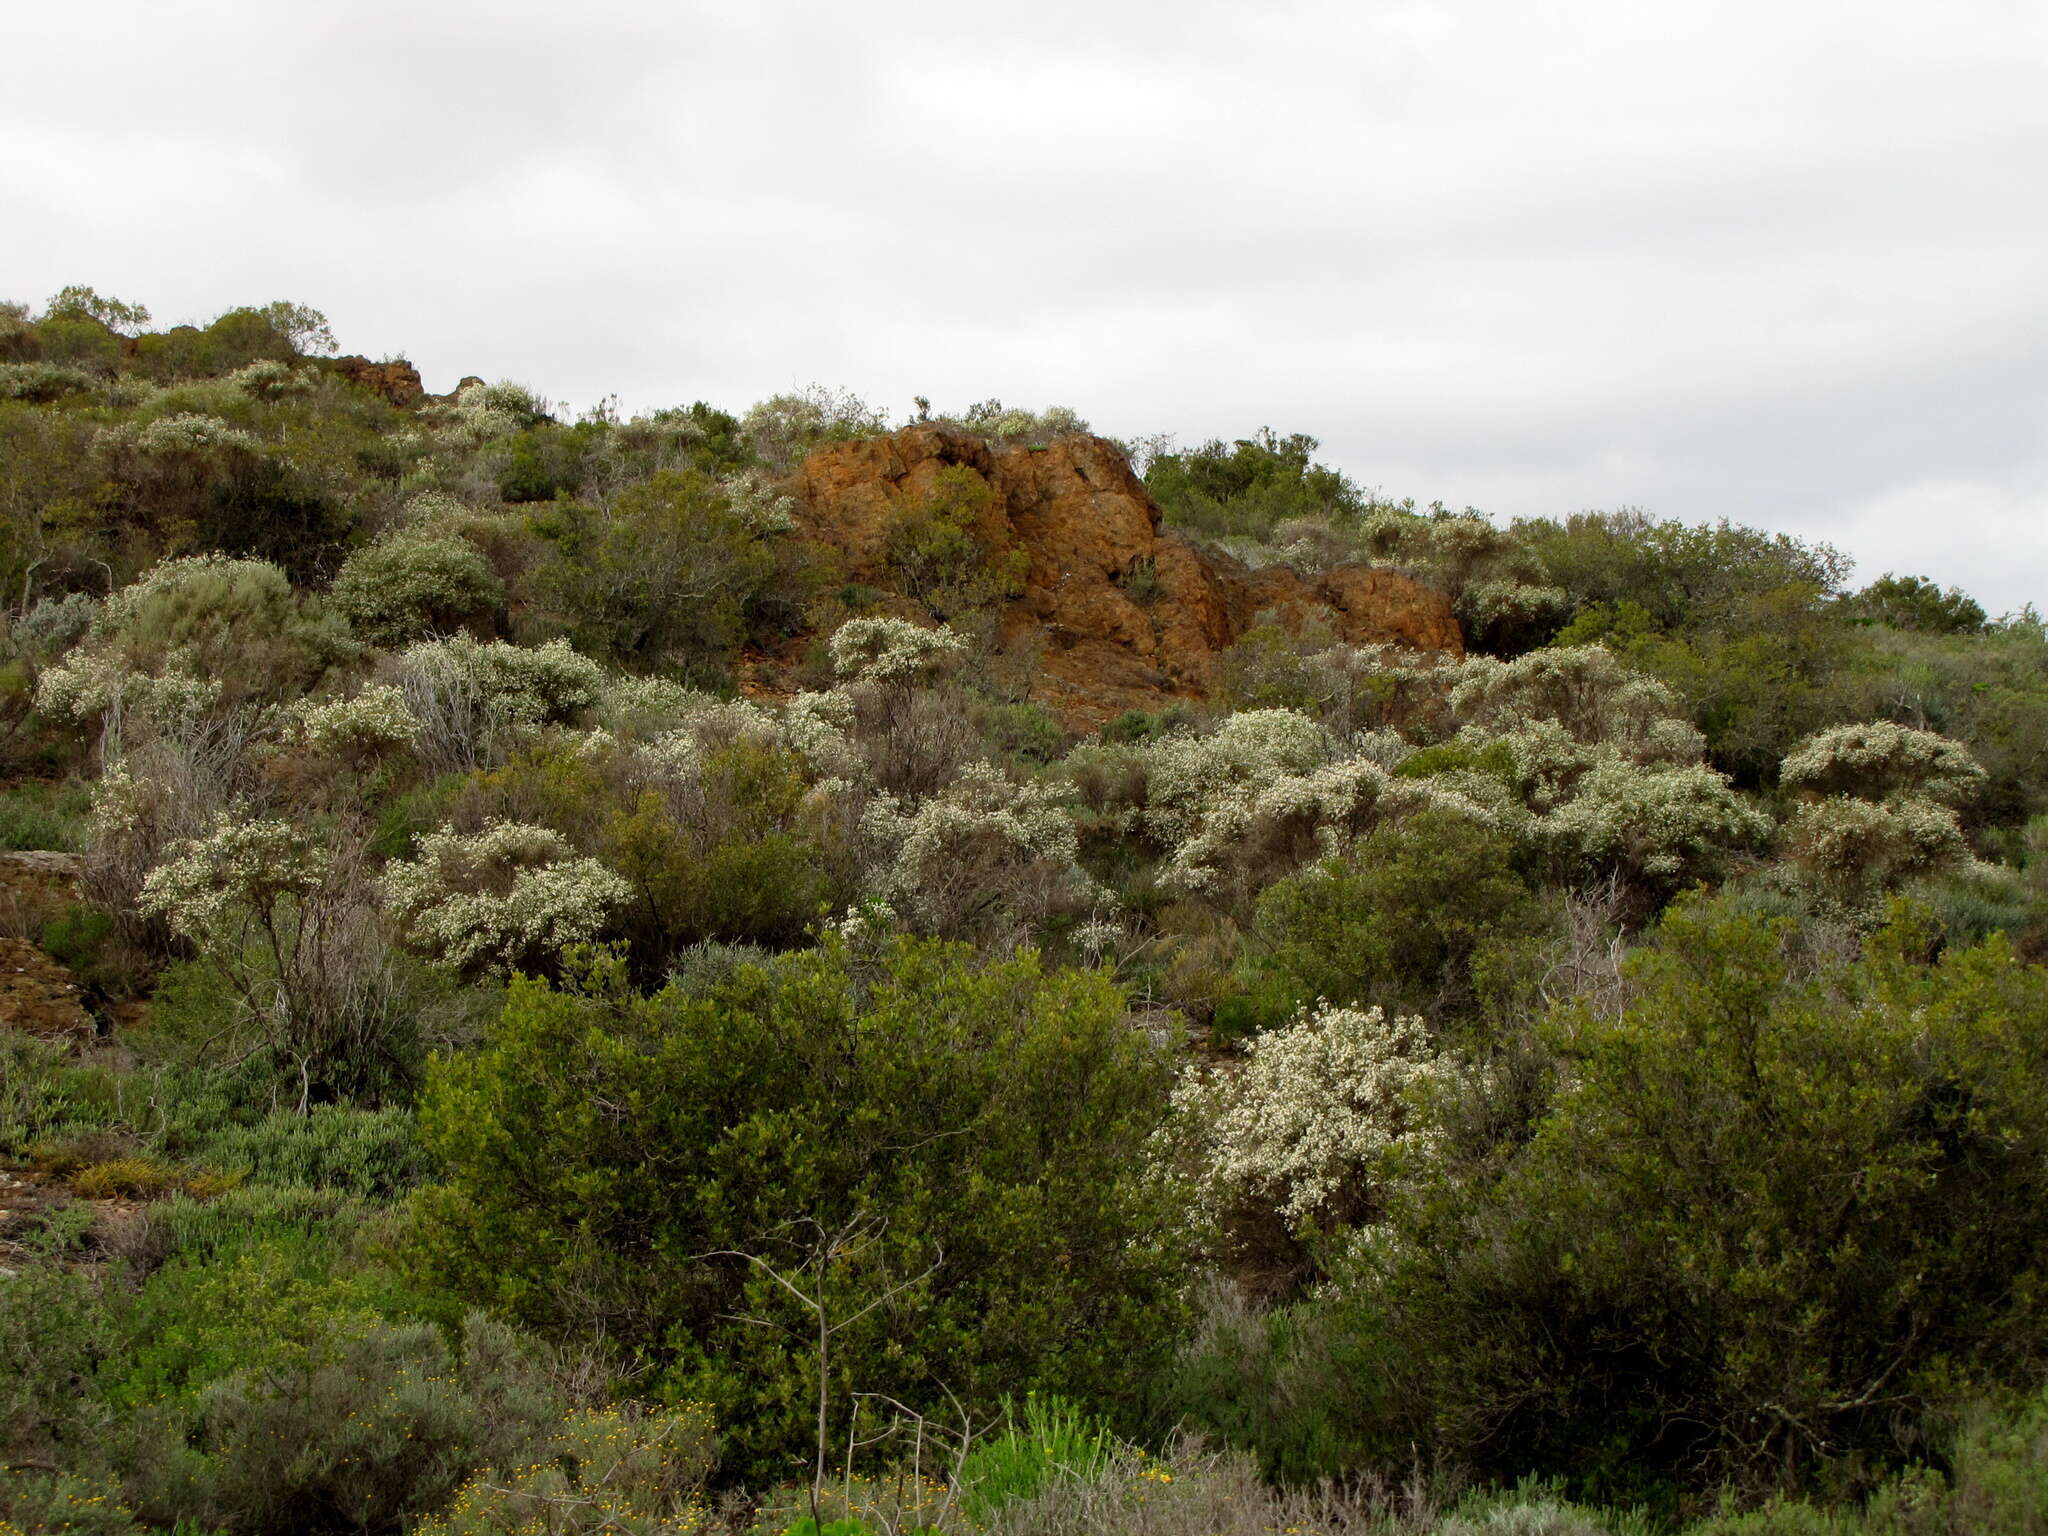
[{"x": 1773, "y": 261}]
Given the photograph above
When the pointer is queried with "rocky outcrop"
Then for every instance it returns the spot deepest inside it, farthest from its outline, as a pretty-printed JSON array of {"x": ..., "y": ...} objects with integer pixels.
[
  {"x": 40, "y": 997},
  {"x": 396, "y": 380},
  {"x": 1132, "y": 614}
]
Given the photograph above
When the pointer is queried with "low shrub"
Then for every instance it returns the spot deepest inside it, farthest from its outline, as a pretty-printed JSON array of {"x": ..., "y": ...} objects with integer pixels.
[{"x": 1056, "y": 1439}]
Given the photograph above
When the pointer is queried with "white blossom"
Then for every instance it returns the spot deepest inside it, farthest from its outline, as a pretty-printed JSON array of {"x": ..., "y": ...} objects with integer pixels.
[
  {"x": 375, "y": 720},
  {"x": 495, "y": 899},
  {"x": 1878, "y": 759},
  {"x": 892, "y": 650},
  {"x": 1306, "y": 1127}
]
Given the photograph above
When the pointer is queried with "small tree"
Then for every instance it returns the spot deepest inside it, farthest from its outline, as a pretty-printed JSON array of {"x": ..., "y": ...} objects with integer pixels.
[{"x": 287, "y": 922}]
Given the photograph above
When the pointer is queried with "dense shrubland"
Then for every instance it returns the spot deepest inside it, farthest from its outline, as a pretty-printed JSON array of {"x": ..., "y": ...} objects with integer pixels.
[{"x": 604, "y": 1024}]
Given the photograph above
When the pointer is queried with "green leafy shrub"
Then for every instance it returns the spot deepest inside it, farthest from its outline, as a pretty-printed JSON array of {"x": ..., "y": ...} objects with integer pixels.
[
  {"x": 1248, "y": 487},
  {"x": 940, "y": 546},
  {"x": 49, "y": 816},
  {"x": 966, "y": 1141},
  {"x": 1411, "y": 917},
  {"x": 1766, "y": 1213},
  {"x": 669, "y": 576}
]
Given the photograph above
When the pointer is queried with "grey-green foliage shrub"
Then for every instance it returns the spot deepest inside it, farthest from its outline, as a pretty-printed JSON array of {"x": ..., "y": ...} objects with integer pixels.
[
  {"x": 783, "y": 429},
  {"x": 373, "y": 1154},
  {"x": 597, "y": 1472},
  {"x": 220, "y": 629},
  {"x": 1767, "y": 1219},
  {"x": 63, "y": 1504},
  {"x": 1019, "y": 424},
  {"x": 414, "y": 582},
  {"x": 367, "y": 1424},
  {"x": 973, "y": 1135}
]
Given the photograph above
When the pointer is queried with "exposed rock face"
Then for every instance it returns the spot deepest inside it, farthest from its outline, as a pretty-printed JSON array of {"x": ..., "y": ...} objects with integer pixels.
[
  {"x": 397, "y": 381},
  {"x": 1133, "y": 614},
  {"x": 38, "y": 996}
]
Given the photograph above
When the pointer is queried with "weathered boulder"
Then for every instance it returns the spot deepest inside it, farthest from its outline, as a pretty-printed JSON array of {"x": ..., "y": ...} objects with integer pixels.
[
  {"x": 1132, "y": 614},
  {"x": 396, "y": 380}
]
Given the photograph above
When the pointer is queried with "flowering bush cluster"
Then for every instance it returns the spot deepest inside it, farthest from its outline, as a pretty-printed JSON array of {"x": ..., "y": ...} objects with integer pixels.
[
  {"x": 985, "y": 857},
  {"x": 416, "y": 581},
  {"x": 893, "y": 651},
  {"x": 1310, "y": 1126},
  {"x": 508, "y": 897}
]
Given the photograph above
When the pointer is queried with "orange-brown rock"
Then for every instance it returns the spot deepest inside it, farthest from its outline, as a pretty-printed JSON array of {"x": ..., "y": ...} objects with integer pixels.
[
  {"x": 396, "y": 380},
  {"x": 38, "y": 996},
  {"x": 1132, "y": 614}
]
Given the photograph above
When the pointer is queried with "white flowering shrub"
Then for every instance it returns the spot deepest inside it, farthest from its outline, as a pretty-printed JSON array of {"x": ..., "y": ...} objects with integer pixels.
[
  {"x": 509, "y": 897},
  {"x": 92, "y": 685},
  {"x": 757, "y": 503},
  {"x": 784, "y": 428},
  {"x": 893, "y": 651},
  {"x": 473, "y": 698},
  {"x": 43, "y": 382},
  {"x": 1504, "y": 612},
  {"x": 985, "y": 857},
  {"x": 208, "y": 887},
  {"x": 1654, "y": 828},
  {"x": 1879, "y": 760},
  {"x": 1247, "y": 842},
  {"x": 417, "y": 581},
  {"x": 1584, "y": 689},
  {"x": 273, "y": 907},
  {"x": 270, "y": 379},
  {"x": 371, "y": 723},
  {"x": 1188, "y": 777},
  {"x": 484, "y": 412},
  {"x": 819, "y": 728},
  {"x": 1017, "y": 424},
  {"x": 190, "y": 432},
  {"x": 642, "y": 708},
  {"x": 1307, "y": 1130},
  {"x": 1851, "y": 852}
]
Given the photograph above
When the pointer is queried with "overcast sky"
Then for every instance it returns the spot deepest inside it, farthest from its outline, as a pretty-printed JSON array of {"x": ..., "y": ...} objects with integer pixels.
[{"x": 1781, "y": 262}]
